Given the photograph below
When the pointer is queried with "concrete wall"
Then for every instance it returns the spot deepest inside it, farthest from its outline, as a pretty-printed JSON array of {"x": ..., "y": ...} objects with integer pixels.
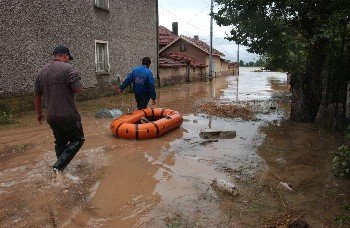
[
  {"x": 171, "y": 75},
  {"x": 220, "y": 67},
  {"x": 198, "y": 74},
  {"x": 31, "y": 29}
]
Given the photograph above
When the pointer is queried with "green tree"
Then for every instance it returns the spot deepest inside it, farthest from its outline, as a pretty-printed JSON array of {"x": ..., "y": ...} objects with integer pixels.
[
  {"x": 241, "y": 63},
  {"x": 305, "y": 38}
]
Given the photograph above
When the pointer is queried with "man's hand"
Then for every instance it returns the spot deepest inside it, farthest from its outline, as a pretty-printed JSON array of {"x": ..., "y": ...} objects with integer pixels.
[
  {"x": 120, "y": 91},
  {"x": 40, "y": 118},
  {"x": 153, "y": 102}
]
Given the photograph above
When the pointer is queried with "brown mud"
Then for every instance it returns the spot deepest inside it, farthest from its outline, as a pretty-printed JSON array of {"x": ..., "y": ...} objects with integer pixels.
[{"x": 166, "y": 182}]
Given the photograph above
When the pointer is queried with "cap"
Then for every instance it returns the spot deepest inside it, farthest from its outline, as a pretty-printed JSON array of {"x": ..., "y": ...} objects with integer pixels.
[{"x": 62, "y": 50}]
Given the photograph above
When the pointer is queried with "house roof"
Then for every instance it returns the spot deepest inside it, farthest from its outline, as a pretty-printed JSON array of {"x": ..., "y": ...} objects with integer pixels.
[
  {"x": 198, "y": 44},
  {"x": 166, "y": 36},
  {"x": 202, "y": 45},
  {"x": 178, "y": 60},
  {"x": 233, "y": 64},
  {"x": 225, "y": 60},
  {"x": 168, "y": 62},
  {"x": 185, "y": 59}
]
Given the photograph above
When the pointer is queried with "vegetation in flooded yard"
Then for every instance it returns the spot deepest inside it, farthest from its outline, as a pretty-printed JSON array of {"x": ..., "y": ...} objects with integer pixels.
[
  {"x": 341, "y": 159},
  {"x": 227, "y": 110},
  {"x": 6, "y": 117},
  {"x": 341, "y": 162}
]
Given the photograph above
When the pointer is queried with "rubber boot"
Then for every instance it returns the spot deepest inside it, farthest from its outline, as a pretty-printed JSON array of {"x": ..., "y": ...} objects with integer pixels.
[{"x": 68, "y": 154}]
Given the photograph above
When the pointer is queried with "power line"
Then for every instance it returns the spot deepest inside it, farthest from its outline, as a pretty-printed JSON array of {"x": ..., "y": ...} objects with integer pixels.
[{"x": 179, "y": 17}]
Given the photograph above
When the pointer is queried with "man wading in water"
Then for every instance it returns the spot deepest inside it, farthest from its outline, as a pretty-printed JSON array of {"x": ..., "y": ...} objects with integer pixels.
[
  {"x": 56, "y": 84},
  {"x": 143, "y": 84}
]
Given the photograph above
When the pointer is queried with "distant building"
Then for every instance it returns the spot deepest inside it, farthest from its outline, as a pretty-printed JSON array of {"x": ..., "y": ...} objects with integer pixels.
[
  {"x": 106, "y": 38},
  {"x": 190, "y": 51},
  {"x": 234, "y": 68}
]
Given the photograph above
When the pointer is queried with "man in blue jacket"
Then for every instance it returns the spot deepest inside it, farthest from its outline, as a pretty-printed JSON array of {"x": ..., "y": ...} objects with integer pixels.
[{"x": 143, "y": 84}]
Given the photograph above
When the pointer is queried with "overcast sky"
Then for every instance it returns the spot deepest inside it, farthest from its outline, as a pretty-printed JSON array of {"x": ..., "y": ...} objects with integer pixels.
[{"x": 193, "y": 18}]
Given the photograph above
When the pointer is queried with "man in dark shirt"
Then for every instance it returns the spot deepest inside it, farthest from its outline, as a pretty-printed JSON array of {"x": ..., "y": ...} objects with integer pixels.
[
  {"x": 56, "y": 85},
  {"x": 143, "y": 84}
]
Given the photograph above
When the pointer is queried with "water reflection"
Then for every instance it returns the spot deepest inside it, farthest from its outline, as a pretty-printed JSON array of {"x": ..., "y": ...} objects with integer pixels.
[{"x": 252, "y": 85}]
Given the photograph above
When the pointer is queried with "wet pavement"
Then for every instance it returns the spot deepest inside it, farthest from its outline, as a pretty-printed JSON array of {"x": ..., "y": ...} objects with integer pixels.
[{"x": 167, "y": 181}]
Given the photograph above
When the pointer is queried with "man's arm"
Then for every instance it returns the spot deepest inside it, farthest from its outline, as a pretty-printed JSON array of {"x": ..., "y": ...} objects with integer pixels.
[
  {"x": 38, "y": 91},
  {"x": 152, "y": 89},
  {"x": 126, "y": 82},
  {"x": 38, "y": 109},
  {"x": 74, "y": 80}
]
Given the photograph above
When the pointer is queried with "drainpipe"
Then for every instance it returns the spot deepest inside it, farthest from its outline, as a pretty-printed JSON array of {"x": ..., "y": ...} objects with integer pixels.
[{"x": 157, "y": 43}]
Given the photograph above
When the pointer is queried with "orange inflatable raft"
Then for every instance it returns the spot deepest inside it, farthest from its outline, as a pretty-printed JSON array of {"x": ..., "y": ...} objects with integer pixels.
[{"x": 161, "y": 121}]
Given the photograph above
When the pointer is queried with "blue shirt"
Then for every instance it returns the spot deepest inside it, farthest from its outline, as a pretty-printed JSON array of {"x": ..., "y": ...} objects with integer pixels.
[{"x": 143, "y": 82}]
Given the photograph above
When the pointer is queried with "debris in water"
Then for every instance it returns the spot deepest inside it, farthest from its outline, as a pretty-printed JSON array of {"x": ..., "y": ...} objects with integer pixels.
[
  {"x": 225, "y": 186},
  {"x": 210, "y": 134},
  {"x": 108, "y": 113},
  {"x": 286, "y": 185},
  {"x": 206, "y": 142}
]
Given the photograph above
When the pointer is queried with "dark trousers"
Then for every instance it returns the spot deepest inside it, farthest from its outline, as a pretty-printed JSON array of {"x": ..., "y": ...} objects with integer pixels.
[
  {"x": 142, "y": 101},
  {"x": 69, "y": 137}
]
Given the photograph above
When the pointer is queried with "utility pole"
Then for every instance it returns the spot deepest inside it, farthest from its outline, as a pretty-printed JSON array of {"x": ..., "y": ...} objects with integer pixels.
[
  {"x": 238, "y": 58},
  {"x": 211, "y": 42}
]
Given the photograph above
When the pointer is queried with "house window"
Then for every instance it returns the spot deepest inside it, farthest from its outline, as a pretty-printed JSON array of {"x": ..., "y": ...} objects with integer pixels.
[
  {"x": 101, "y": 56},
  {"x": 104, "y": 4}
]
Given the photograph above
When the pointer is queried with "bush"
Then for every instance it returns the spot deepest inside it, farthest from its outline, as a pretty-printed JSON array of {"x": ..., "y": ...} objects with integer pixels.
[
  {"x": 341, "y": 159},
  {"x": 341, "y": 162},
  {"x": 7, "y": 118}
]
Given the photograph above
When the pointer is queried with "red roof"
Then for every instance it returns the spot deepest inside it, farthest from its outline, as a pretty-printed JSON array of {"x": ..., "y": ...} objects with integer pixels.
[
  {"x": 182, "y": 59},
  {"x": 167, "y": 62},
  {"x": 166, "y": 36},
  {"x": 204, "y": 46}
]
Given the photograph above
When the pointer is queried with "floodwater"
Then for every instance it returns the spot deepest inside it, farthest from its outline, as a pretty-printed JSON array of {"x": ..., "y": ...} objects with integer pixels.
[{"x": 166, "y": 182}]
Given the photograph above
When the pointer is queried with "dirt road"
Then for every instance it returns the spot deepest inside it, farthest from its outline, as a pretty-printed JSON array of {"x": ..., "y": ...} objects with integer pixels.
[{"x": 167, "y": 181}]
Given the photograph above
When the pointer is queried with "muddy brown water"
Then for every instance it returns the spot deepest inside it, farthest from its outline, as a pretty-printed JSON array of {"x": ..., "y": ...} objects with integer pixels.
[{"x": 167, "y": 181}]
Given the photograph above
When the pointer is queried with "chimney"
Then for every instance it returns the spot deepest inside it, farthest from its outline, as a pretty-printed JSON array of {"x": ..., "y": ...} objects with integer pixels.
[
  {"x": 196, "y": 37},
  {"x": 176, "y": 28}
]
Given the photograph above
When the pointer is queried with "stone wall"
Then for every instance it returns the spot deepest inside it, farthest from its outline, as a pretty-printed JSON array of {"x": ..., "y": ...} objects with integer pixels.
[{"x": 31, "y": 29}]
